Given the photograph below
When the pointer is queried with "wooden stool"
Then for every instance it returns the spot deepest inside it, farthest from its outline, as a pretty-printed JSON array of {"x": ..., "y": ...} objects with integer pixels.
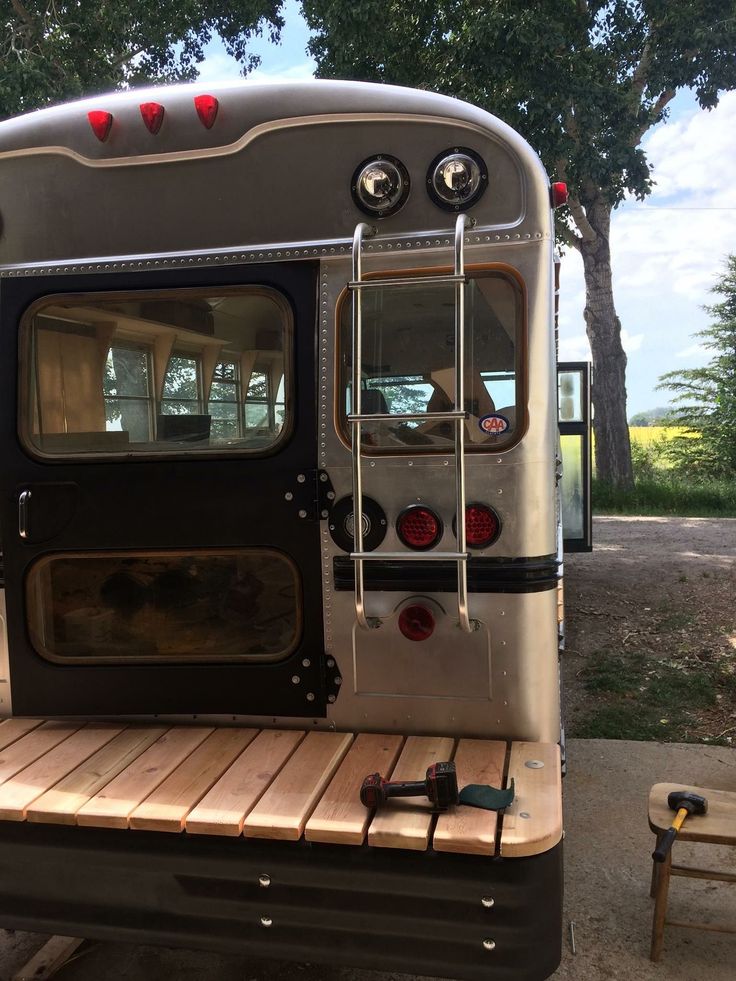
[{"x": 717, "y": 827}]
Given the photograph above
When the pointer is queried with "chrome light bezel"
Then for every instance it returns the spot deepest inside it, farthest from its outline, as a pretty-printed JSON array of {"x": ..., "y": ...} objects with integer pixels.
[
  {"x": 403, "y": 185},
  {"x": 457, "y": 201}
]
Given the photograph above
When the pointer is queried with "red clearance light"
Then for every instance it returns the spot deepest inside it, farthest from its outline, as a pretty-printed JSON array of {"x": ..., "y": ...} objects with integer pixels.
[
  {"x": 416, "y": 622},
  {"x": 481, "y": 525},
  {"x": 559, "y": 194},
  {"x": 153, "y": 116},
  {"x": 206, "y": 106},
  {"x": 100, "y": 121},
  {"x": 418, "y": 527}
]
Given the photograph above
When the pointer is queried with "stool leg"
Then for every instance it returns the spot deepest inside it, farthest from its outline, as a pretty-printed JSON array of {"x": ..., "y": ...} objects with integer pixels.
[
  {"x": 655, "y": 872},
  {"x": 660, "y": 907}
]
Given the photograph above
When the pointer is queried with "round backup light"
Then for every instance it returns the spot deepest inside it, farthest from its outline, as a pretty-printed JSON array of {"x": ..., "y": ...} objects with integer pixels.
[
  {"x": 342, "y": 524},
  {"x": 419, "y": 527},
  {"x": 416, "y": 622},
  {"x": 482, "y": 526},
  {"x": 456, "y": 179},
  {"x": 380, "y": 186}
]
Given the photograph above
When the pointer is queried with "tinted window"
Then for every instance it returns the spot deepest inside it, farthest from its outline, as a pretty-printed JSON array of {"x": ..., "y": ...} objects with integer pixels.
[
  {"x": 159, "y": 606},
  {"x": 408, "y": 360}
]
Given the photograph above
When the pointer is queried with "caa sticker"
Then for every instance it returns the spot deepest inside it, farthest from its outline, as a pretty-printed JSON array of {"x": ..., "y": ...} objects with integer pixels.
[{"x": 494, "y": 424}]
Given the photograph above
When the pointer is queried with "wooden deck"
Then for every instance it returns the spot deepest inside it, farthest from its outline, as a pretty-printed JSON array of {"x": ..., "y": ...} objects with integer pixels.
[{"x": 272, "y": 783}]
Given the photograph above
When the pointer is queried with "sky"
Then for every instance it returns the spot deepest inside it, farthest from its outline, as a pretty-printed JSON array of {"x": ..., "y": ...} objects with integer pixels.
[{"x": 667, "y": 252}]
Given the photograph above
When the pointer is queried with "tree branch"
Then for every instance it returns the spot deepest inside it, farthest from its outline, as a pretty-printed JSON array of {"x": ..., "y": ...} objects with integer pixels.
[
  {"x": 23, "y": 13},
  {"x": 587, "y": 232},
  {"x": 569, "y": 237},
  {"x": 665, "y": 97},
  {"x": 641, "y": 72}
]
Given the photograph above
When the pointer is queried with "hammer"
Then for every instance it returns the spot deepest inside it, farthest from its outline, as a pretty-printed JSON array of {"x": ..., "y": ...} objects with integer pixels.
[
  {"x": 439, "y": 785},
  {"x": 685, "y": 804}
]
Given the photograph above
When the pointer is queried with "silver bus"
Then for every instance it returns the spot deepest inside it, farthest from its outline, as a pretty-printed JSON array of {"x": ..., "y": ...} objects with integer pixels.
[{"x": 232, "y": 321}]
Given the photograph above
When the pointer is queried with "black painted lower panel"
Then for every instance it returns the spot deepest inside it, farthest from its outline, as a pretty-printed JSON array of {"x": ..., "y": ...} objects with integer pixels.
[{"x": 385, "y": 909}]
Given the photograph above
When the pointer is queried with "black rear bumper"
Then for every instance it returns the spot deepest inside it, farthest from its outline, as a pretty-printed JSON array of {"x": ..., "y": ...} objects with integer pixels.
[{"x": 384, "y": 909}]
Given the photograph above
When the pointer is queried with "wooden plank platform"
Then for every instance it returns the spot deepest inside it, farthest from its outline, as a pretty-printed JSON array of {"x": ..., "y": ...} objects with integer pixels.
[{"x": 273, "y": 783}]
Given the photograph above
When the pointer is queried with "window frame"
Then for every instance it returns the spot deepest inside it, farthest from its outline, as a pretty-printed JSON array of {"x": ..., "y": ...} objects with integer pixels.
[
  {"x": 521, "y": 361},
  {"x": 28, "y": 393},
  {"x": 32, "y": 599}
]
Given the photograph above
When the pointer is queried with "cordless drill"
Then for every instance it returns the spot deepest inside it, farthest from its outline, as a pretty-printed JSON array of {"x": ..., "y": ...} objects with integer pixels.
[{"x": 439, "y": 785}]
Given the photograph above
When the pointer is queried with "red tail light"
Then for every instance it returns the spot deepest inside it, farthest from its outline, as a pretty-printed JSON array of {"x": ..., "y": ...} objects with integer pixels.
[
  {"x": 418, "y": 527},
  {"x": 153, "y": 116},
  {"x": 100, "y": 121},
  {"x": 206, "y": 106},
  {"x": 416, "y": 622},
  {"x": 482, "y": 525},
  {"x": 558, "y": 192}
]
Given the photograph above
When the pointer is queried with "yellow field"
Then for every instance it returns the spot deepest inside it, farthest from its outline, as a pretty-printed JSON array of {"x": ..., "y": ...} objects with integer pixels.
[{"x": 653, "y": 434}]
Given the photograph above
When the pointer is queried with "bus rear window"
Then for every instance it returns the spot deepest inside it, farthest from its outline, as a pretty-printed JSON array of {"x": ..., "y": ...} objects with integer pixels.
[
  {"x": 218, "y": 605},
  {"x": 157, "y": 373},
  {"x": 408, "y": 361}
]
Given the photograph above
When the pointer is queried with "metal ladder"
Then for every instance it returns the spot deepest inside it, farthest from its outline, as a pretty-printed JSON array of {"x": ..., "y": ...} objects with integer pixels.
[{"x": 457, "y": 415}]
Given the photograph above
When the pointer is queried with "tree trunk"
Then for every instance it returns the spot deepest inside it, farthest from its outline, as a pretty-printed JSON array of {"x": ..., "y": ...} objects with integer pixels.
[{"x": 612, "y": 445}]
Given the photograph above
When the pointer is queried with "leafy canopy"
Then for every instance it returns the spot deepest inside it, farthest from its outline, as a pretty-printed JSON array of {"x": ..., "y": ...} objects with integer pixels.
[
  {"x": 705, "y": 398},
  {"x": 583, "y": 81},
  {"x": 54, "y": 51}
]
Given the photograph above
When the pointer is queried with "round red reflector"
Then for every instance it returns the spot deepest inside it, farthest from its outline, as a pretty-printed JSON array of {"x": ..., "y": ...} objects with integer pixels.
[
  {"x": 153, "y": 116},
  {"x": 206, "y": 106},
  {"x": 100, "y": 121},
  {"x": 559, "y": 194},
  {"x": 481, "y": 525},
  {"x": 416, "y": 622},
  {"x": 418, "y": 527}
]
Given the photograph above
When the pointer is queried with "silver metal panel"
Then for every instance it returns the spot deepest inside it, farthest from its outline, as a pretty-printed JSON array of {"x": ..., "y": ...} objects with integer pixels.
[
  {"x": 422, "y": 669},
  {"x": 516, "y": 687},
  {"x": 500, "y": 681},
  {"x": 189, "y": 192}
]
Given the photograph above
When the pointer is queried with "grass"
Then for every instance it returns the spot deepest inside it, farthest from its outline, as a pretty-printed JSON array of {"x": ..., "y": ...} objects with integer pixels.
[
  {"x": 659, "y": 488},
  {"x": 635, "y": 697},
  {"x": 668, "y": 495}
]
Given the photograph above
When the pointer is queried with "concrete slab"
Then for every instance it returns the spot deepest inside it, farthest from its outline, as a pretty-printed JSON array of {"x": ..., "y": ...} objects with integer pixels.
[{"x": 608, "y": 846}]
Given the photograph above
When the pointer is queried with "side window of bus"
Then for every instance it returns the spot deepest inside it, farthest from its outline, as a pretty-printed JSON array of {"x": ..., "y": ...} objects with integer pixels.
[
  {"x": 408, "y": 363},
  {"x": 157, "y": 373}
]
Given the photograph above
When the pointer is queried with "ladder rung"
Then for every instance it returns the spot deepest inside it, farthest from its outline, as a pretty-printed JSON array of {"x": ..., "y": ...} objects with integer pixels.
[
  {"x": 367, "y": 284},
  {"x": 408, "y": 416},
  {"x": 410, "y": 556}
]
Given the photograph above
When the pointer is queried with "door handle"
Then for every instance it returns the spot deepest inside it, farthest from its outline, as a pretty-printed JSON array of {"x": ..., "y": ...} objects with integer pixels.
[{"x": 23, "y": 505}]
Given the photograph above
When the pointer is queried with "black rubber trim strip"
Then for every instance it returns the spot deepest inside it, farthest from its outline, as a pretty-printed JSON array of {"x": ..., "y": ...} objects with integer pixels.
[{"x": 532, "y": 575}]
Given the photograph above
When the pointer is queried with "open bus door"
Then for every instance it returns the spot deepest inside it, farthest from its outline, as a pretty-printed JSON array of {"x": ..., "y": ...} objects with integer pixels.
[{"x": 573, "y": 387}]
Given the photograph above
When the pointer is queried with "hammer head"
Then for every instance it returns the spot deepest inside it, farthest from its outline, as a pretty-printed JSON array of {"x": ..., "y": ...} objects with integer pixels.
[{"x": 694, "y": 803}]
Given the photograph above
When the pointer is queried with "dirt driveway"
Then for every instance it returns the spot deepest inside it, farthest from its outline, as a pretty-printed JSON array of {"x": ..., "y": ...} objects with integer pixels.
[{"x": 651, "y": 631}]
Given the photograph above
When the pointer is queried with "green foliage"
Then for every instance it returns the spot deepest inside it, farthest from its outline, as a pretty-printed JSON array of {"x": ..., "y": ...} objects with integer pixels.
[
  {"x": 648, "y": 459},
  {"x": 668, "y": 494},
  {"x": 582, "y": 80},
  {"x": 705, "y": 398},
  {"x": 52, "y": 52}
]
